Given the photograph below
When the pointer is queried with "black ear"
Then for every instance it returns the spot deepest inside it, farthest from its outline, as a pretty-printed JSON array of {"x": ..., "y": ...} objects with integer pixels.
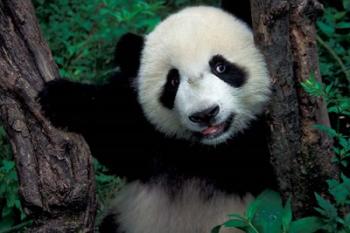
[
  {"x": 128, "y": 53},
  {"x": 240, "y": 9}
]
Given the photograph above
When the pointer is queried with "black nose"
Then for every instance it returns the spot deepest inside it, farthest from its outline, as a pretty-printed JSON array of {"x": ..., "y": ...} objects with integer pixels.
[{"x": 206, "y": 115}]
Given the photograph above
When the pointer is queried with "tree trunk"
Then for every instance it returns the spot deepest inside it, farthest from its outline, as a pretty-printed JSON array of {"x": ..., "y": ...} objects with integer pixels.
[
  {"x": 57, "y": 183},
  {"x": 285, "y": 33}
]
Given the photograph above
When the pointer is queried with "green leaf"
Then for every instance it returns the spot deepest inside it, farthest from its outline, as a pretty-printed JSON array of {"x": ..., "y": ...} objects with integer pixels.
[
  {"x": 8, "y": 165},
  {"x": 267, "y": 210},
  {"x": 251, "y": 210},
  {"x": 347, "y": 220},
  {"x": 313, "y": 87},
  {"x": 238, "y": 216},
  {"x": 327, "y": 208},
  {"x": 346, "y": 5},
  {"x": 236, "y": 223},
  {"x": 343, "y": 25},
  {"x": 344, "y": 143},
  {"x": 339, "y": 191},
  {"x": 344, "y": 163},
  {"x": 102, "y": 178},
  {"x": 328, "y": 130},
  {"x": 340, "y": 15},
  {"x": 326, "y": 28},
  {"x": 287, "y": 215},
  {"x": 306, "y": 225},
  {"x": 216, "y": 229}
]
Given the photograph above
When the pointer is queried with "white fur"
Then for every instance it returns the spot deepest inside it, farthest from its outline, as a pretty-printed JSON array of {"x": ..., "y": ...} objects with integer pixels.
[
  {"x": 148, "y": 208},
  {"x": 186, "y": 41}
]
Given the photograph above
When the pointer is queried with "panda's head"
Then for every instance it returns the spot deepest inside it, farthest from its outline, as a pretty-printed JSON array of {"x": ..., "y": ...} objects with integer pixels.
[{"x": 201, "y": 77}]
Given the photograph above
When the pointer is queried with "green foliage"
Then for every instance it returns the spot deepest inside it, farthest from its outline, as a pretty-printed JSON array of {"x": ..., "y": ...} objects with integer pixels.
[
  {"x": 334, "y": 34},
  {"x": 10, "y": 207},
  {"x": 106, "y": 185},
  {"x": 328, "y": 211},
  {"x": 306, "y": 225},
  {"x": 337, "y": 104},
  {"x": 266, "y": 214},
  {"x": 82, "y": 34},
  {"x": 342, "y": 145},
  {"x": 332, "y": 215},
  {"x": 340, "y": 190},
  {"x": 336, "y": 101},
  {"x": 334, "y": 39},
  {"x": 332, "y": 212}
]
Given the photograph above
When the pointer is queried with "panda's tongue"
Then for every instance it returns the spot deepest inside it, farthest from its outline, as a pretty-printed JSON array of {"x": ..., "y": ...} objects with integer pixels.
[{"x": 212, "y": 130}]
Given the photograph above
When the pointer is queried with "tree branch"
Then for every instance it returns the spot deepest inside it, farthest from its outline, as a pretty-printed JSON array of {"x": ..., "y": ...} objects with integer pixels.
[
  {"x": 54, "y": 167},
  {"x": 301, "y": 155}
]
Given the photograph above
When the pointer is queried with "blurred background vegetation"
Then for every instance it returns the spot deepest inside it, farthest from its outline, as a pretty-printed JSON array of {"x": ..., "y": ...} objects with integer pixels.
[{"x": 82, "y": 35}]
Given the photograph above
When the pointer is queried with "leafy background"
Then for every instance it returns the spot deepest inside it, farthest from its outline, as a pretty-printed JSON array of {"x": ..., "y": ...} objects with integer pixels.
[{"x": 82, "y": 35}]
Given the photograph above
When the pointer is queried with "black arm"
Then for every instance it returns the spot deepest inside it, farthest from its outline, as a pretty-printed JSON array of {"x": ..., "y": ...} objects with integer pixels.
[
  {"x": 108, "y": 116},
  {"x": 69, "y": 104},
  {"x": 79, "y": 106}
]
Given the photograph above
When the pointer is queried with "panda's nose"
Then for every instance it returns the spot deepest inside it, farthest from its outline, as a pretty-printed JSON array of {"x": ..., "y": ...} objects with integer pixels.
[{"x": 205, "y": 116}]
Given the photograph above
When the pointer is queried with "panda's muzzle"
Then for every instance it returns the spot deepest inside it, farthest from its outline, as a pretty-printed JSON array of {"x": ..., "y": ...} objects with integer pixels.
[
  {"x": 214, "y": 131},
  {"x": 206, "y": 116}
]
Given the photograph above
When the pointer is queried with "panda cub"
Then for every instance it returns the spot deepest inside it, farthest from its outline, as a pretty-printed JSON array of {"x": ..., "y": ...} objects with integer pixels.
[{"x": 181, "y": 122}]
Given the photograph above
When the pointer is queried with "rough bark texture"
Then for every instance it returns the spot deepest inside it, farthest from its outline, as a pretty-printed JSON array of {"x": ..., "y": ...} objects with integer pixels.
[
  {"x": 54, "y": 167},
  {"x": 285, "y": 32}
]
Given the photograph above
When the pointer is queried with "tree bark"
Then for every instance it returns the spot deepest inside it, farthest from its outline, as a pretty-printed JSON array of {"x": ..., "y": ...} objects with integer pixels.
[
  {"x": 57, "y": 183},
  {"x": 285, "y": 33}
]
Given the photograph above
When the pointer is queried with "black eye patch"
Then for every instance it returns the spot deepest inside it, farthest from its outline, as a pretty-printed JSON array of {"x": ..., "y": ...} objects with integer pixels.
[
  {"x": 227, "y": 71},
  {"x": 168, "y": 95}
]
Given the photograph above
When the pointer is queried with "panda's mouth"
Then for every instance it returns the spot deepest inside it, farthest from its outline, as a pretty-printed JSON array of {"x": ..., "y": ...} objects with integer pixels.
[{"x": 214, "y": 131}]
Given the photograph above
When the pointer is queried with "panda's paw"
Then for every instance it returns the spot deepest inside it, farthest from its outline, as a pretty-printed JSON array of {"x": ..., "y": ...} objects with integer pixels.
[{"x": 54, "y": 99}]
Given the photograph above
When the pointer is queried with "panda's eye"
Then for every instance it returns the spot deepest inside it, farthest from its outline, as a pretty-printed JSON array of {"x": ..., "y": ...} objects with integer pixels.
[
  {"x": 220, "y": 68},
  {"x": 227, "y": 71},
  {"x": 175, "y": 81},
  {"x": 168, "y": 94}
]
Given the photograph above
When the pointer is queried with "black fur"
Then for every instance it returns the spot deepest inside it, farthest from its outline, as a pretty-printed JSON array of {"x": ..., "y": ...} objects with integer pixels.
[
  {"x": 110, "y": 225},
  {"x": 127, "y": 54},
  {"x": 233, "y": 75},
  {"x": 241, "y": 9}
]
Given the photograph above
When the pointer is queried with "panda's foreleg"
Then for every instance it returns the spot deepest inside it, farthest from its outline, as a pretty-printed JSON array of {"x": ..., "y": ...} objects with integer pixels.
[{"x": 69, "y": 104}]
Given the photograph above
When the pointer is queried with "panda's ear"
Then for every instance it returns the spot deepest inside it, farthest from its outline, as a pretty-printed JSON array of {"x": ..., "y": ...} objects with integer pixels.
[
  {"x": 128, "y": 53},
  {"x": 240, "y": 9}
]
